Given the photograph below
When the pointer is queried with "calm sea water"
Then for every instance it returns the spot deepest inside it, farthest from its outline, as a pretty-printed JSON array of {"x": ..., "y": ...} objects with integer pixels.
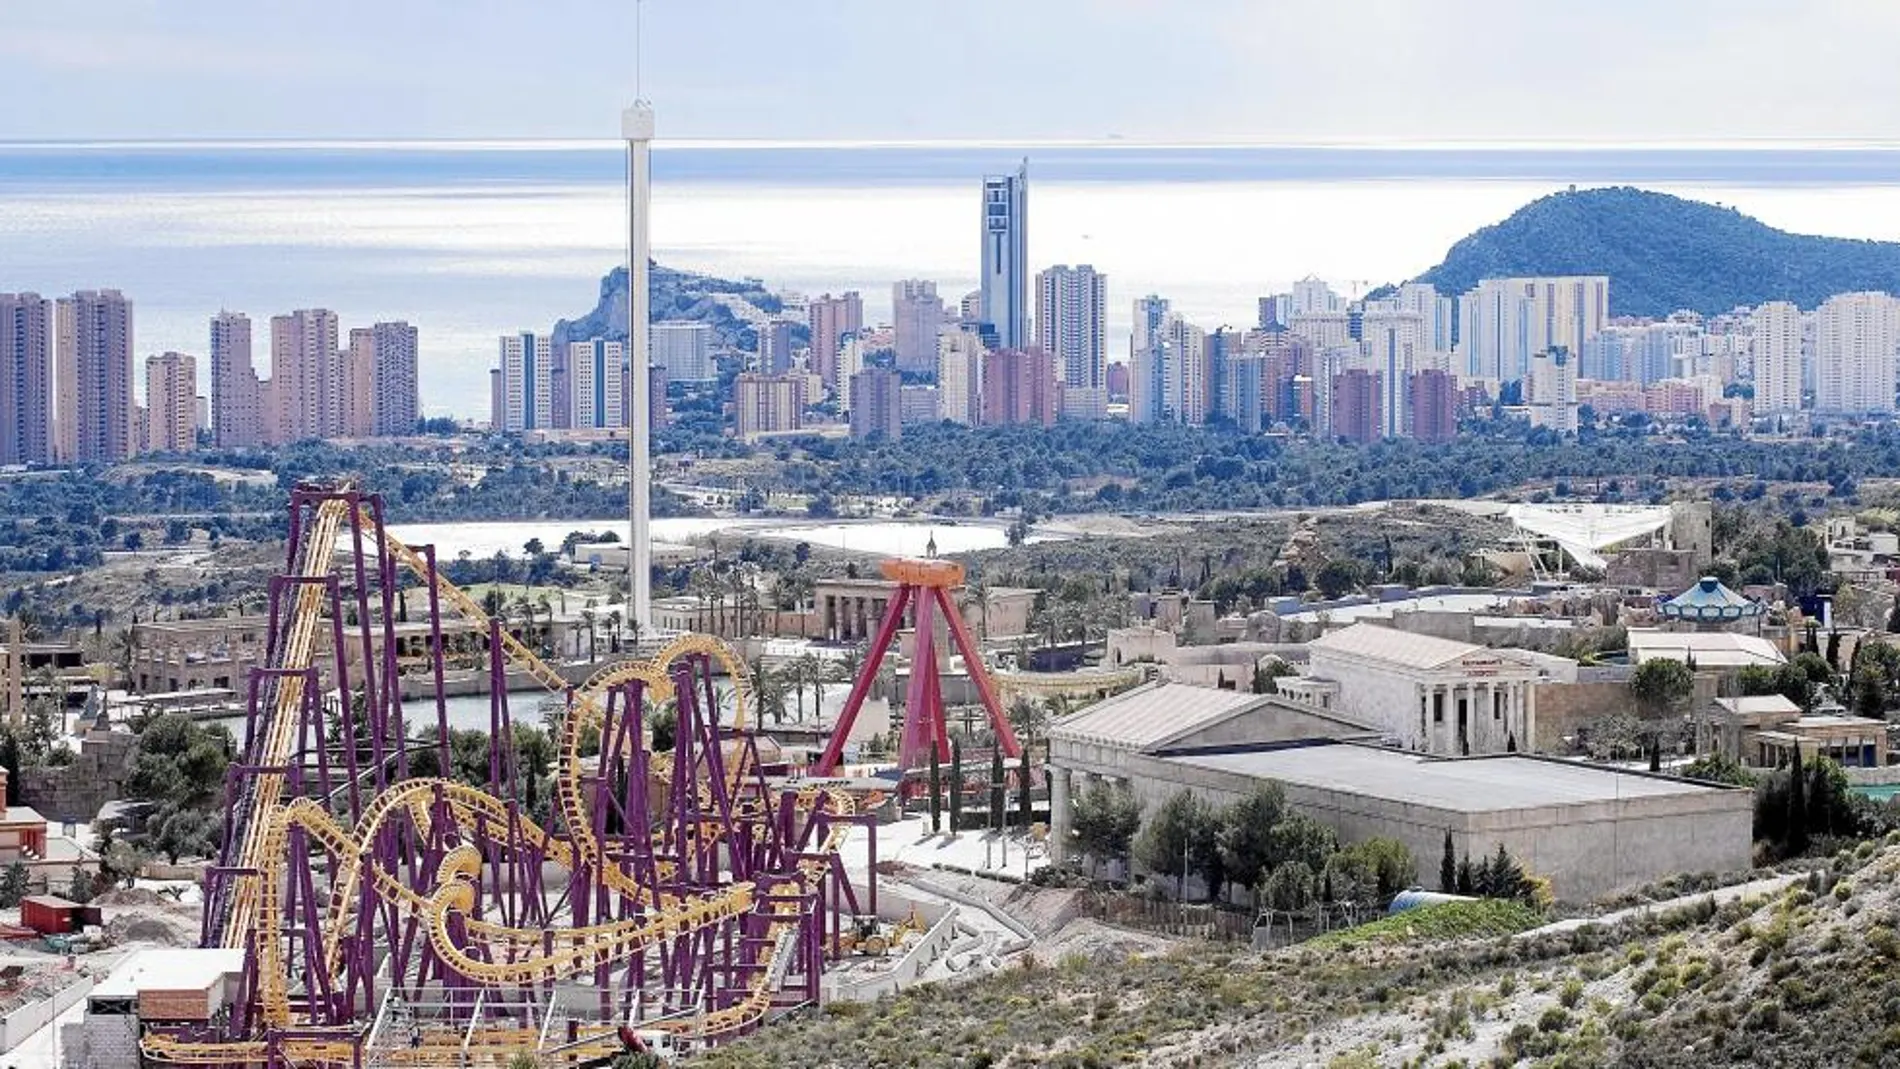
[{"x": 471, "y": 241}]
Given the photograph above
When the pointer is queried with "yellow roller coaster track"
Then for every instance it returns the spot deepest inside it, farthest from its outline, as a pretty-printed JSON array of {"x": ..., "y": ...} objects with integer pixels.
[{"x": 515, "y": 955}]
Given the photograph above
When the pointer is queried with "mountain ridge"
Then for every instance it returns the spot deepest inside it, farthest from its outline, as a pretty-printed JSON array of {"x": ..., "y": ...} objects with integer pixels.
[{"x": 1665, "y": 253}]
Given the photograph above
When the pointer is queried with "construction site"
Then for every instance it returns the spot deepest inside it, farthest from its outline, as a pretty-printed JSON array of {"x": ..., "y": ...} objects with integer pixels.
[{"x": 359, "y": 915}]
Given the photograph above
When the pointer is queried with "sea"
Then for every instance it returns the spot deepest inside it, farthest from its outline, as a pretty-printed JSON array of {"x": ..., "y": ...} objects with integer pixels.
[{"x": 472, "y": 240}]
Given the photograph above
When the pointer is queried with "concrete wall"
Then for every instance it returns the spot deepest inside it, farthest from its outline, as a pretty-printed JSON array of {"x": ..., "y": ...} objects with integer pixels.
[{"x": 20, "y": 1023}]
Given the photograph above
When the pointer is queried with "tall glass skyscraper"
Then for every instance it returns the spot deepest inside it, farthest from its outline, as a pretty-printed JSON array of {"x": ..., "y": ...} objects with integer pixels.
[{"x": 1005, "y": 323}]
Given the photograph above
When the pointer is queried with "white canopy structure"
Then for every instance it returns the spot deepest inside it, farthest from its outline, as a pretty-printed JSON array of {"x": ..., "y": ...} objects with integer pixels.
[{"x": 1584, "y": 532}]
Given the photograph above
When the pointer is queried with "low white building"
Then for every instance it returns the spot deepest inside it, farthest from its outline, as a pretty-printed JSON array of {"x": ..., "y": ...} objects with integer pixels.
[
  {"x": 1709, "y": 650},
  {"x": 1423, "y": 693}
]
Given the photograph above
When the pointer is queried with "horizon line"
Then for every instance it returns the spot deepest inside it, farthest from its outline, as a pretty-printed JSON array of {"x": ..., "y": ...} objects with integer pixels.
[{"x": 540, "y": 144}]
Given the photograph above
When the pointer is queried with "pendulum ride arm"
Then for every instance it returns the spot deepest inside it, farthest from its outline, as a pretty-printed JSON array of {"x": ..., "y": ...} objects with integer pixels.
[
  {"x": 861, "y": 688},
  {"x": 979, "y": 673}
]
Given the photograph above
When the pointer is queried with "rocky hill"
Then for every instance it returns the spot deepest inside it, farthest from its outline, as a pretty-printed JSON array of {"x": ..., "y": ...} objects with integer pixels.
[
  {"x": 724, "y": 303},
  {"x": 1664, "y": 253},
  {"x": 1802, "y": 971}
]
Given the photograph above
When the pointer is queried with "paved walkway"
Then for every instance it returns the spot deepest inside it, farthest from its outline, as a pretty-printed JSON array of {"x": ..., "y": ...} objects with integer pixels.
[{"x": 1722, "y": 896}]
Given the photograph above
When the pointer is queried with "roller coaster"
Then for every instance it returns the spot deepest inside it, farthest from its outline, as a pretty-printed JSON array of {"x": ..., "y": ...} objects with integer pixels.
[{"x": 395, "y": 910}]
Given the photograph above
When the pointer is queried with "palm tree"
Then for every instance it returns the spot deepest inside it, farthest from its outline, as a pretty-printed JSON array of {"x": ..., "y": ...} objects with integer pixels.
[
  {"x": 547, "y": 627},
  {"x": 978, "y": 592},
  {"x": 768, "y": 692},
  {"x": 613, "y": 631},
  {"x": 1027, "y": 718},
  {"x": 587, "y": 622}
]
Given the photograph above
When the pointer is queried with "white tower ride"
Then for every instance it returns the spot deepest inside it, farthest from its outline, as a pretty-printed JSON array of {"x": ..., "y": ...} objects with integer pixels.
[{"x": 636, "y": 126}]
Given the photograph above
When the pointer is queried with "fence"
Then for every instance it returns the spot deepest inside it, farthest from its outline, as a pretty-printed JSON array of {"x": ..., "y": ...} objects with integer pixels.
[
  {"x": 1221, "y": 924},
  {"x": 1191, "y": 920}
]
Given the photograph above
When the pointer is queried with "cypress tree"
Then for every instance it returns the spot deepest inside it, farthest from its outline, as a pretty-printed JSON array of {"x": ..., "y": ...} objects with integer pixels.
[
  {"x": 1448, "y": 867},
  {"x": 999, "y": 798},
  {"x": 1797, "y": 808},
  {"x": 936, "y": 792},
  {"x": 956, "y": 785},
  {"x": 1467, "y": 877},
  {"x": 1024, "y": 811}
]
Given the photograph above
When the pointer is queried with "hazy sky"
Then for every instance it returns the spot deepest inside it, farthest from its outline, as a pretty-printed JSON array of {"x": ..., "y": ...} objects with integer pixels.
[{"x": 893, "y": 69}]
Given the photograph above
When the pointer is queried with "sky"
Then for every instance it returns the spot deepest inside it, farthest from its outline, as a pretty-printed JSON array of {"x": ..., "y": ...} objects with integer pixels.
[{"x": 1150, "y": 70}]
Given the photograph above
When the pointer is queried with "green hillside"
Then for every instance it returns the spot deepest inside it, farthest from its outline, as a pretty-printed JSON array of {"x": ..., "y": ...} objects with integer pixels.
[{"x": 1664, "y": 253}]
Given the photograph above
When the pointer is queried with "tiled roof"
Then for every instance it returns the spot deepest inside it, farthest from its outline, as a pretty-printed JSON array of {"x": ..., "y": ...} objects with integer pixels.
[
  {"x": 1149, "y": 715},
  {"x": 1394, "y": 646}
]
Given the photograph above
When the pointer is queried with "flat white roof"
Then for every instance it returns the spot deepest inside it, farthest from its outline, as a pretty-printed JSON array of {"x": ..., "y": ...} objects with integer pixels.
[
  {"x": 169, "y": 969},
  {"x": 1468, "y": 785},
  {"x": 1711, "y": 649}
]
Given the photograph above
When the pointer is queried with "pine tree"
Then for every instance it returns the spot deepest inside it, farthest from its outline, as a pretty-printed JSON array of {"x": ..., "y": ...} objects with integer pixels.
[
  {"x": 1797, "y": 808},
  {"x": 936, "y": 792},
  {"x": 1448, "y": 867},
  {"x": 1467, "y": 877}
]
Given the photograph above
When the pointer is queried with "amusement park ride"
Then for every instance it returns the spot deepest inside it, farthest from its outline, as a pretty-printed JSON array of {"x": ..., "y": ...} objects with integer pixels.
[{"x": 667, "y": 899}]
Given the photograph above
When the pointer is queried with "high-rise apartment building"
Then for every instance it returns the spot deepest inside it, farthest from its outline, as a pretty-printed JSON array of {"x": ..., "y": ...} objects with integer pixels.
[
  {"x": 359, "y": 384},
  {"x": 877, "y": 403},
  {"x": 307, "y": 377},
  {"x": 656, "y": 396},
  {"x": 918, "y": 405},
  {"x": 1550, "y": 390},
  {"x": 599, "y": 370},
  {"x": 970, "y": 311},
  {"x": 27, "y": 336},
  {"x": 524, "y": 397},
  {"x": 1775, "y": 346},
  {"x": 1390, "y": 341},
  {"x": 960, "y": 378},
  {"x": 1071, "y": 324},
  {"x": 1019, "y": 386},
  {"x": 1243, "y": 392},
  {"x": 1187, "y": 380},
  {"x": 1437, "y": 317},
  {"x": 237, "y": 404},
  {"x": 1325, "y": 330},
  {"x": 1005, "y": 278},
  {"x": 94, "y": 409},
  {"x": 684, "y": 348},
  {"x": 398, "y": 392},
  {"x": 171, "y": 403},
  {"x": 1148, "y": 360},
  {"x": 1354, "y": 405},
  {"x": 832, "y": 319},
  {"x": 1434, "y": 406},
  {"x": 1855, "y": 338},
  {"x": 916, "y": 320},
  {"x": 767, "y": 404},
  {"x": 1313, "y": 296},
  {"x": 775, "y": 346},
  {"x": 1504, "y": 321}
]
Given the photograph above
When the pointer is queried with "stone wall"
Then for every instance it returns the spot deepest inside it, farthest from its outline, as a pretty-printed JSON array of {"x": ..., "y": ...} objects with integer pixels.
[
  {"x": 73, "y": 793},
  {"x": 1563, "y": 708}
]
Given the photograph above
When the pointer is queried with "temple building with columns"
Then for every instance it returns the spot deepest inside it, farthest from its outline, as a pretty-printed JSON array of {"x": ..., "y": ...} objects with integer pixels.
[{"x": 1423, "y": 693}]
